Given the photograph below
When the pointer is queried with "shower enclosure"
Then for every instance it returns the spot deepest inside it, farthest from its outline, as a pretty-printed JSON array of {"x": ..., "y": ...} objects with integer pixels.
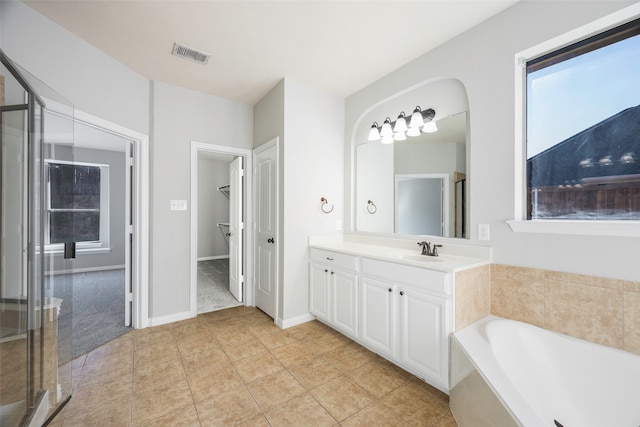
[{"x": 36, "y": 125}]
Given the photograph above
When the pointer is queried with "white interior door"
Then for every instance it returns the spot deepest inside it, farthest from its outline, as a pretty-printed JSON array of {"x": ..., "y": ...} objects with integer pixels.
[
  {"x": 265, "y": 173},
  {"x": 236, "y": 227}
]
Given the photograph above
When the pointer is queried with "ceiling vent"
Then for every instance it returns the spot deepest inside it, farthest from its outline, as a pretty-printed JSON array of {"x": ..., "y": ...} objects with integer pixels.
[{"x": 190, "y": 54}]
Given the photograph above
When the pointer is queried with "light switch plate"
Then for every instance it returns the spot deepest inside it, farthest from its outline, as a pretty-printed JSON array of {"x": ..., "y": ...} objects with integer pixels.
[
  {"x": 483, "y": 231},
  {"x": 178, "y": 205}
]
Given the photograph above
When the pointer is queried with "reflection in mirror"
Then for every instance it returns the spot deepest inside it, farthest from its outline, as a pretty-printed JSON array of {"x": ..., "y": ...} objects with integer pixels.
[{"x": 417, "y": 185}]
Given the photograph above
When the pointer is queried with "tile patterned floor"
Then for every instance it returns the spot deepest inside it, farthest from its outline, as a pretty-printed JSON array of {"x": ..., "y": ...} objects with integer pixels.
[{"x": 236, "y": 368}]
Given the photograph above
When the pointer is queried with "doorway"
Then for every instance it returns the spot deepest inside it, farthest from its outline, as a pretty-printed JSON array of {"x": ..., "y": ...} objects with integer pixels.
[
  {"x": 97, "y": 175},
  {"x": 219, "y": 212}
]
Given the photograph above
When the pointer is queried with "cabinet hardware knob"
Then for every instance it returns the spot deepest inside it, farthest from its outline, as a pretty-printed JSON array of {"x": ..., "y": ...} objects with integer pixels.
[
  {"x": 326, "y": 270},
  {"x": 390, "y": 290},
  {"x": 332, "y": 272},
  {"x": 270, "y": 240},
  {"x": 401, "y": 292},
  {"x": 330, "y": 259}
]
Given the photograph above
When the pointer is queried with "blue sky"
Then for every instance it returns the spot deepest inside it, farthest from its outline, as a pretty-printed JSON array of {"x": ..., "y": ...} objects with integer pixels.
[{"x": 566, "y": 98}]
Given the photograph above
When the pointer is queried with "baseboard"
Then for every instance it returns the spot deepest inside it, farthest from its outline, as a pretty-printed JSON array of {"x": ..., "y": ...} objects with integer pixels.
[
  {"x": 298, "y": 320},
  {"x": 85, "y": 270},
  {"x": 170, "y": 318},
  {"x": 209, "y": 258}
]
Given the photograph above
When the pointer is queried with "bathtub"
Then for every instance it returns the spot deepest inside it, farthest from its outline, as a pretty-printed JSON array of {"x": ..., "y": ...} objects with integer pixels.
[{"x": 509, "y": 373}]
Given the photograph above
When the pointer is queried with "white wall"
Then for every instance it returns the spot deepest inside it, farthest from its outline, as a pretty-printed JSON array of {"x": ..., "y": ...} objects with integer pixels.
[
  {"x": 213, "y": 207},
  {"x": 313, "y": 168},
  {"x": 179, "y": 117},
  {"x": 94, "y": 82},
  {"x": 310, "y": 124},
  {"x": 482, "y": 59}
]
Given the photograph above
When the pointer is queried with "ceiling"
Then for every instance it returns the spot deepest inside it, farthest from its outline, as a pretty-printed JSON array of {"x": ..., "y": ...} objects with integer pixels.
[{"x": 336, "y": 46}]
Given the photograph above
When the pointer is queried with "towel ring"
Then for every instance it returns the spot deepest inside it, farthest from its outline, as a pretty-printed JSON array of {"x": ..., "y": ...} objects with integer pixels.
[
  {"x": 322, "y": 206},
  {"x": 371, "y": 207}
]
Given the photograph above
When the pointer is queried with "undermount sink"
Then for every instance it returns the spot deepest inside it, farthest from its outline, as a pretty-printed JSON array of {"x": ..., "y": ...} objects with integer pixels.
[
  {"x": 420, "y": 258},
  {"x": 424, "y": 258}
]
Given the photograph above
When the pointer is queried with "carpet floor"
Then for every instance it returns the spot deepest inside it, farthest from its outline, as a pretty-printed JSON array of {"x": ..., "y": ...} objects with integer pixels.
[
  {"x": 92, "y": 310},
  {"x": 213, "y": 286}
]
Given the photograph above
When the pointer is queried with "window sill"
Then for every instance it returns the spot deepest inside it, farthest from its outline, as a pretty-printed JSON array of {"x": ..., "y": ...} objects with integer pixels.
[
  {"x": 79, "y": 251},
  {"x": 583, "y": 228}
]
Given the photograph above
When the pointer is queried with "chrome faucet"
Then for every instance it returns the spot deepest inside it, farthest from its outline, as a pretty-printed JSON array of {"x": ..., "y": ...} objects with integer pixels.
[
  {"x": 429, "y": 250},
  {"x": 426, "y": 248}
]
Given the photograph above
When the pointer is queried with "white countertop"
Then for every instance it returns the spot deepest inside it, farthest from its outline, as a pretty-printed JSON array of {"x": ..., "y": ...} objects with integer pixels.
[{"x": 400, "y": 254}]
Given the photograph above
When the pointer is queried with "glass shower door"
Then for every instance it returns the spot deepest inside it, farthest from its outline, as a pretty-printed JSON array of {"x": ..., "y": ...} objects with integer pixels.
[{"x": 35, "y": 364}]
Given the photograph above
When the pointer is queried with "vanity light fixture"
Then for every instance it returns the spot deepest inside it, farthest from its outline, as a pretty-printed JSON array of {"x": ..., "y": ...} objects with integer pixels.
[{"x": 398, "y": 130}]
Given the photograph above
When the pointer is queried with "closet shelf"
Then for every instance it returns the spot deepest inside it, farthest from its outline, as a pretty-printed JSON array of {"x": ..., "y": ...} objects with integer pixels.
[{"x": 224, "y": 189}]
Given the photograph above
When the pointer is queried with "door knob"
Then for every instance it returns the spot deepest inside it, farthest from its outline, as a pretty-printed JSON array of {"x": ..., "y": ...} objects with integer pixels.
[
  {"x": 390, "y": 290},
  {"x": 227, "y": 234},
  {"x": 401, "y": 293},
  {"x": 270, "y": 240}
]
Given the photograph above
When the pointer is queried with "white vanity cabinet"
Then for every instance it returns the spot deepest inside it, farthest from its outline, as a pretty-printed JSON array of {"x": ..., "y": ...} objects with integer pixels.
[
  {"x": 402, "y": 312},
  {"x": 406, "y": 315},
  {"x": 333, "y": 289}
]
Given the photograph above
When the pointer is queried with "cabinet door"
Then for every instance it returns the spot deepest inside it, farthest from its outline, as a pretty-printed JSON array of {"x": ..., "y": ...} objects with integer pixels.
[
  {"x": 344, "y": 302},
  {"x": 319, "y": 291},
  {"x": 423, "y": 338},
  {"x": 378, "y": 314}
]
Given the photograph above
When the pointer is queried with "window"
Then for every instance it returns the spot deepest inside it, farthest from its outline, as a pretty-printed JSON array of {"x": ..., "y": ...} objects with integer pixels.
[
  {"x": 579, "y": 118},
  {"x": 77, "y": 205},
  {"x": 583, "y": 129}
]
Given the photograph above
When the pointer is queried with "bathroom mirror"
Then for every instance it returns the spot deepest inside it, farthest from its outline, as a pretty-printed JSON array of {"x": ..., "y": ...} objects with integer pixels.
[{"x": 417, "y": 186}]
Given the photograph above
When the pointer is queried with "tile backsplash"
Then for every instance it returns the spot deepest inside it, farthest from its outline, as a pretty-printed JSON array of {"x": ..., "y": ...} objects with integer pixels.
[{"x": 600, "y": 310}]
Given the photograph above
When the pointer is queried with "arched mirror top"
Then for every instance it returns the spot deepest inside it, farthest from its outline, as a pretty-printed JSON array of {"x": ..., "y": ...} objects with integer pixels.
[{"x": 405, "y": 178}]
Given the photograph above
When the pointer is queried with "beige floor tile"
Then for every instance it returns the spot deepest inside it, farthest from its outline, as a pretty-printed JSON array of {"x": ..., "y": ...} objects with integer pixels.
[
  {"x": 184, "y": 417},
  {"x": 156, "y": 353},
  {"x": 349, "y": 357},
  {"x": 307, "y": 330},
  {"x": 320, "y": 344},
  {"x": 417, "y": 403},
  {"x": 197, "y": 343},
  {"x": 157, "y": 375},
  {"x": 259, "y": 421},
  {"x": 275, "y": 389},
  {"x": 377, "y": 378},
  {"x": 116, "y": 413},
  {"x": 315, "y": 372},
  {"x": 159, "y": 402},
  {"x": 447, "y": 421},
  {"x": 250, "y": 347},
  {"x": 227, "y": 409},
  {"x": 205, "y": 386},
  {"x": 292, "y": 354},
  {"x": 258, "y": 366},
  {"x": 153, "y": 357},
  {"x": 95, "y": 393},
  {"x": 215, "y": 361},
  {"x": 277, "y": 339},
  {"x": 342, "y": 397},
  {"x": 300, "y": 411},
  {"x": 374, "y": 415}
]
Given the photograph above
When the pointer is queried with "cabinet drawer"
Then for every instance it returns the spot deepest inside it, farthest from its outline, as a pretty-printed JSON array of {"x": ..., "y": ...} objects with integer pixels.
[
  {"x": 334, "y": 259},
  {"x": 437, "y": 282}
]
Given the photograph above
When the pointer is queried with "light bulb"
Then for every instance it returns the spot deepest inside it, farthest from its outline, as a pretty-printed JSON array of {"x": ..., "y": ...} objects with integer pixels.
[
  {"x": 374, "y": 133},
  {"x": 416, "y": 118},
  {"x": 387, "y": 139},
  {"x": 386, "y": 128},
  {"x": 413, "y": 132},
  {"x": 399, "y": 136},
  {"x": 401, "y": 123},
  {"x": 430, "y": 127}
]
